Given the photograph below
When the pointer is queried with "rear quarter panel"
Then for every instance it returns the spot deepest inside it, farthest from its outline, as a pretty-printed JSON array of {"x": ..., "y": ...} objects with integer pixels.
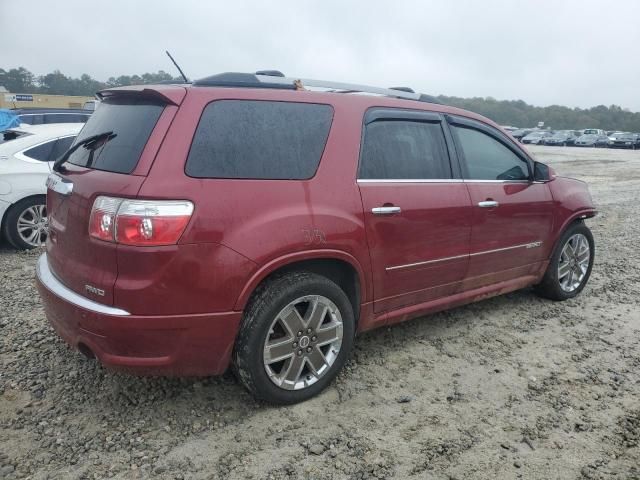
[{"x": 267, "y": 220}]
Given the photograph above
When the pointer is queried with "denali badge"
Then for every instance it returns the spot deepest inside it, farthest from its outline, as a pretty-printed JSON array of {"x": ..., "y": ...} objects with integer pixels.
[{"x": 94, "y": 290}]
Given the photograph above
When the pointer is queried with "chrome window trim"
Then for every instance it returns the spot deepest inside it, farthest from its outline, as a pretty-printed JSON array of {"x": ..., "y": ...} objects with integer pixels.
[
  {"x": 436, "y": 180},
  {"x": 535, "y": 244},
  {"x": 22, "y": 156},
  {"x": 55, "y": 286},
  {"x": 407, "y": 180}
]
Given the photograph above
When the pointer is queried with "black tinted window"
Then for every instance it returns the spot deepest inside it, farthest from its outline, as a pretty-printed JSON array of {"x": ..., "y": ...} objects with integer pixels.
[
  {"x": 131, "y": 120},
  {"x": 487, "y": 158},
  {"x": 41, "y": 152},
  {"x": 395, "y": 149},
  {"x": 259, "y": 140},
  {"x": 61, "y": 146}
]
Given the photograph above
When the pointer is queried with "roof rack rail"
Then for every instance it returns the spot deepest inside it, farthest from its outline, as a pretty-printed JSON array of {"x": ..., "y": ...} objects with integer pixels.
[{"x": 273, "y": 79}]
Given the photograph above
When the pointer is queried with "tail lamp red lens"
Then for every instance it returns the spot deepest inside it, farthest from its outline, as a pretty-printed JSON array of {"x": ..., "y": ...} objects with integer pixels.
[{"x": 139, "y": 222}]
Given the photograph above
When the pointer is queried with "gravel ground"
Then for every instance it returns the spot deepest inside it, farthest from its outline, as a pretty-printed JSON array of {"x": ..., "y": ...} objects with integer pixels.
[{"x": 511, "y": 387}]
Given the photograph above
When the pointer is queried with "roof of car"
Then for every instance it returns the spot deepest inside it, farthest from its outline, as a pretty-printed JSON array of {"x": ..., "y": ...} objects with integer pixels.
[
  {"x": 175, "y": 93},
  {"x": 51, "y": 129}
]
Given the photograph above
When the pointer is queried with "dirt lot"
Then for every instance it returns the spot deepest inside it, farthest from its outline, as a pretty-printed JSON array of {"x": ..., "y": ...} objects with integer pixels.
[{"x": 512, "y": 387}]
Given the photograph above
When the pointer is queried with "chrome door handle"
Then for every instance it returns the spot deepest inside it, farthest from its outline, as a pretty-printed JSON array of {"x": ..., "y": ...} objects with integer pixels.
[
  {"x": 385, "y": 210},
  {"x": 488, "y": 204}
]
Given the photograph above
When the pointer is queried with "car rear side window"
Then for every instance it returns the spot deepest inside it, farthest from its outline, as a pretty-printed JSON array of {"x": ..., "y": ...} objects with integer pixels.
[
  {"x": 61, "y": 146},
  {"x": 255, "y": 139},
  {"x": 41, "y": 152},
  {"x": 131, "y": 120},
  {"x": 399, "y": 149},
  {"x": 486, "y": 158}
]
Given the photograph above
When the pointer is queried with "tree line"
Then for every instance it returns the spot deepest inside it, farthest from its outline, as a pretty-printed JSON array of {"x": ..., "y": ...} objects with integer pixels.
[{"x": 504, "y": 112}]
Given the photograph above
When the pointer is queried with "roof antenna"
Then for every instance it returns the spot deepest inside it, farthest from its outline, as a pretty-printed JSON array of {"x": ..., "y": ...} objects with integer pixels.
[{"x": 186, "y": 80}]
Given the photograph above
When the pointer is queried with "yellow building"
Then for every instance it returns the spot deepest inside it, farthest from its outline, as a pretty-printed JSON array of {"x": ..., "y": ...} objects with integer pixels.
[{"x": 36, "y": 100}]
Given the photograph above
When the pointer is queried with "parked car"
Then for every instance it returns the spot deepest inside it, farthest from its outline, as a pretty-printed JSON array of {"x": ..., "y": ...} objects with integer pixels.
[
  {"x": 592, "y": 140},
  {"x": 521, "y": 132},
  {"x": 593, "y": 131},
  {"x": 537, "y": 137},
  {"x": 25, "y": 164},
  {"x": 562, "y": 138},
  {"x": 227, "y": 223},
  {"x": 38, "y": 116},
  {"x": 625, "y": 140}
]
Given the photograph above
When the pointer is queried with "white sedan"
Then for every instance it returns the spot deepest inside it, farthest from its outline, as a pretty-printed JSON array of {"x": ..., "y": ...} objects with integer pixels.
[{"x": 25, "y": 163}]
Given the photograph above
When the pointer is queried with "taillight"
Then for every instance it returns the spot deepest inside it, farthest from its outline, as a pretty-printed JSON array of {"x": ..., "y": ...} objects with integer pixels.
[{"x": 139, "y": 222}]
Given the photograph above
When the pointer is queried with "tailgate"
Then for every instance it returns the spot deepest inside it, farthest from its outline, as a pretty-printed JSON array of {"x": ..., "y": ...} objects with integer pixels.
[{"x": 117, "y": 166}]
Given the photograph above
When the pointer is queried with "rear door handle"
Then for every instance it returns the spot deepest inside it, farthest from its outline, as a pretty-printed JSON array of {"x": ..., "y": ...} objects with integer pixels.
[
  {"x": 488, "y": 204},
  {"x": 385, "y": 210}
]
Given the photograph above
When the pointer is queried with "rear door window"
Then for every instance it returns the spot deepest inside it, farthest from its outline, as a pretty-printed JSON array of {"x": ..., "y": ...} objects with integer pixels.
[
  {"x": 259, "y": 140},
  {"x": 41, "y": 152},
  {"x": 399, "y": 149},
  {"x": 131, "y": 120},
  {"x": 61, "y": 146}
]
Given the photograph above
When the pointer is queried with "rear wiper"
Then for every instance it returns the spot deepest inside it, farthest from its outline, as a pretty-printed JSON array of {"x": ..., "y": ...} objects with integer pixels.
[{"x": 106, "y": 136}]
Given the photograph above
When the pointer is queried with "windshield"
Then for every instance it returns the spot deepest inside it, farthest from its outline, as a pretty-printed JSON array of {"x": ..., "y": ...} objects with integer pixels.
[
  {"x": 537, "y": 134},
  {"x": 561, "y": 135},
  {"x": 129, "y": 121},
  {"x": 591, "y": 132}
]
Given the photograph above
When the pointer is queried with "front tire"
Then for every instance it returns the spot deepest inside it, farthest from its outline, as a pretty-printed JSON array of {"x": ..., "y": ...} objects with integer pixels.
[
  {"x": 25, "y": 223},
  {"x": 296, "y": 335},
  {"x": 570, "y": 265}
]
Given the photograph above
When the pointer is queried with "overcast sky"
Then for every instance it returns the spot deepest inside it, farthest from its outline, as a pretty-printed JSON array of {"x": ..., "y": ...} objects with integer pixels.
[{"x": 575, "y": 53}]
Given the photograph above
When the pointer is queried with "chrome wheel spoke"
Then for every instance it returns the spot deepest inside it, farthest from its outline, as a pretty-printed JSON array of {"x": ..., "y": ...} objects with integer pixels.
[
  {"x": 293, "y": 369},
  {"x": 316, "y": 360},
  {"x": 317, "y": 313},
  {"x": 292, "y": 320},
  {"x": 563, "y": 270},
  {"x": 328, "y": 334},
  {"x": 278, "y": 350}
]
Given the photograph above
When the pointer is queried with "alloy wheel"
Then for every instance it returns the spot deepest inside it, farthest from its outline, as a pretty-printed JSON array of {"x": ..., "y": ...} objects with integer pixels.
[
  {"x": 574, "y": 262},
  {"x": 303, "y": 342},
  {"x": 33, "y": 225}
]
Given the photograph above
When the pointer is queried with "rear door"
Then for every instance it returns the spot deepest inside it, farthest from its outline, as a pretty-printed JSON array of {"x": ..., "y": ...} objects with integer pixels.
[
  {"x": 512, "y": 215},
  {"x": 117, "y": 167},
  {"x": 417, "y": 210}
]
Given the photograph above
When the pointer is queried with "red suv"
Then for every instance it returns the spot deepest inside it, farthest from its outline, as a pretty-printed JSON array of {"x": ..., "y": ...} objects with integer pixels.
[{"x": 255, "y": 221}]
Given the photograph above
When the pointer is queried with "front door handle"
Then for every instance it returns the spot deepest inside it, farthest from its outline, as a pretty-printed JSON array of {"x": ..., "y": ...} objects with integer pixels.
[
  {"x": 488, "y": 204},
  {"x": 385, "y": 210}
]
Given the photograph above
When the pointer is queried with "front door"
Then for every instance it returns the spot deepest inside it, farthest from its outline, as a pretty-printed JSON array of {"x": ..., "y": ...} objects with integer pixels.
[
  {"x": 417, "y": 215},
  {"x": 512, "y": 215}
]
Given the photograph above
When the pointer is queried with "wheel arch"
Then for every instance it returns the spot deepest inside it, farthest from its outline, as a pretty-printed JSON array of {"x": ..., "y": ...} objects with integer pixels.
[
  {"x": 340, "y": 267},
  {"x": 12, "y": 203},
  {"x": 577, "y": 217}
]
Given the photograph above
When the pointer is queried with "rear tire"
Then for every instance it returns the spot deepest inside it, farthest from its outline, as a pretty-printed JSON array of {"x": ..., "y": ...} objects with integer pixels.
[
  {"x": 570, "y": 265},
  {"x": 296, "y": 335},
  {"x": 28, "y": 212}
]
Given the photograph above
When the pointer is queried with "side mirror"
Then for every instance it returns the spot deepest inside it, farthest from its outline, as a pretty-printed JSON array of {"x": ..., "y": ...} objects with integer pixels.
[{"x": 542, "y": 172}]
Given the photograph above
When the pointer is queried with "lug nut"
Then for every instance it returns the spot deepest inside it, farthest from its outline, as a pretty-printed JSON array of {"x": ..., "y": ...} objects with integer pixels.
[
  {"x": 308, "y": 349},
  {"x": 299, "y": 352},
  {"x": 308, "y": 330},
  {"x": 300, "y": 333},
  {"x": 314, "y": 338},
  {"x": 295, "y": 344}
]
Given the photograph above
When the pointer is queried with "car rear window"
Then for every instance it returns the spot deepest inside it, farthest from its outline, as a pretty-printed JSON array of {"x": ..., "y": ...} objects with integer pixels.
[
  {"x": 131, "y": 120},
  {"x": 259, "y": 140}
]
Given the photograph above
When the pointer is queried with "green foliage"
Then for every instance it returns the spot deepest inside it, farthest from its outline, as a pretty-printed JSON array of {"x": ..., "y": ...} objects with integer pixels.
[
  {"x": 504, "y": 112},
  {"x": 21, "y": 80},
  {"x": 520, "y": 114}
]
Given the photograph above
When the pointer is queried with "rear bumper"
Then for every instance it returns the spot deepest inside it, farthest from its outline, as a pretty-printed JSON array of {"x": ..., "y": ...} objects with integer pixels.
[{"x": 173, "y": 345}]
